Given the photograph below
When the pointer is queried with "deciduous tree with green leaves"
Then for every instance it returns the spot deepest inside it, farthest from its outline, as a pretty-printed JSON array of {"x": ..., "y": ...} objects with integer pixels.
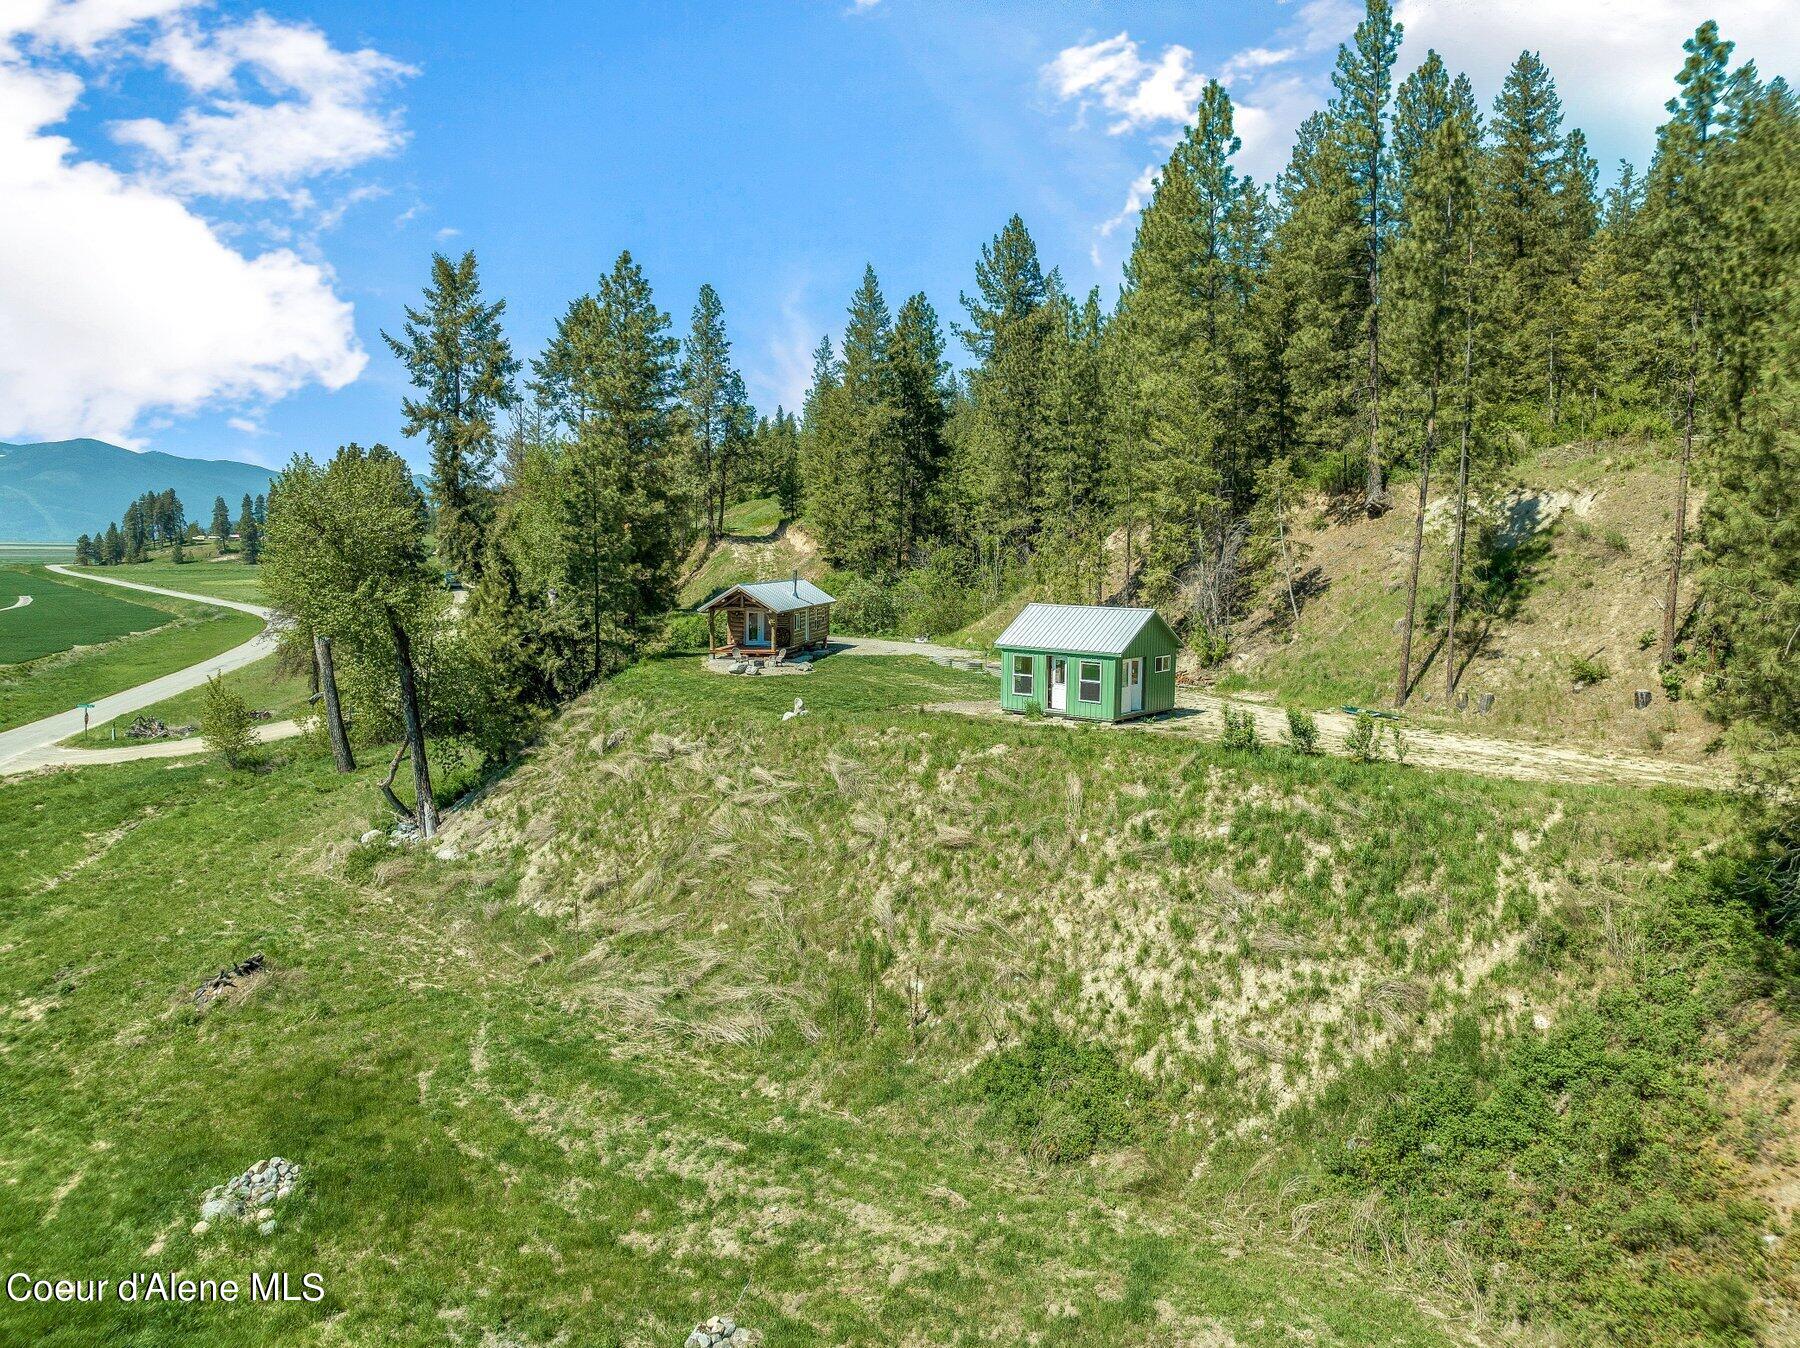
[{"x": 347, "y": 558}]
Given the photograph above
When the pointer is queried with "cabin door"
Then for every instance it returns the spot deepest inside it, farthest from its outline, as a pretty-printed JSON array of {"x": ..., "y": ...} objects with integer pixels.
[
  {"x": 1059, "y": 684},
  {"x": 1134, "y": 685},
  {"x": 756, "y": 627}
]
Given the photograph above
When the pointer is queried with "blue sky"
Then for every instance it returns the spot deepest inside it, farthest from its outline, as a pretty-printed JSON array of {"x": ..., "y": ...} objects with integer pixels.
[{"x": 226, "y": 203}]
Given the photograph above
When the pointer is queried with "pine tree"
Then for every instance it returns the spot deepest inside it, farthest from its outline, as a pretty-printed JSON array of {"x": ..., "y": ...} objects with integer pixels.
[
  {"x": 621, "y": 496},
  {"x": 84, "y": 551},
  {"x": 457, "y": 356},
  {"x": 868, "y": 523},
  {"x": 1364, "y": 83},
  {"x": 919, "y": 386},
  {"x": 221, "y": 522},
  {"x": 1429, "y": 283},
  {"x": 1682, "y": 211},
  {"x": 1182, "y": 319},
  {"x": 1312, "y": 310},
  {"x": 719, "y": 416},
  {"x": 114, "y": 551},
  {"x": 259, "y": 509},
  {"x": 821, "y": 463},
  {"x": 1009, "y": 326},
  {"x": 1074, "y": 496}
]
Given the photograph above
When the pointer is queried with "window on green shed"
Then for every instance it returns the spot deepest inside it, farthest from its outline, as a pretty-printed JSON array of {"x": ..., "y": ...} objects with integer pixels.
[
  {"x": 1088, "y": 687},
  {"x": 1022, "y": 675},
  {"x": 1163, "y": 663}
]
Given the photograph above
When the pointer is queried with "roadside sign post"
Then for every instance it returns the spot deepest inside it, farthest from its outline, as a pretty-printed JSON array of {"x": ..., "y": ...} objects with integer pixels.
[{"x": 86, "y": 707}]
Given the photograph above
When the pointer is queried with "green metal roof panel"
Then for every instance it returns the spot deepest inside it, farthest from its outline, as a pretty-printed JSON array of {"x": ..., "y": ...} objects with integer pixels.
[
  {"x": 783, "y": 596},
  {"x": 1086, "y": 629}
]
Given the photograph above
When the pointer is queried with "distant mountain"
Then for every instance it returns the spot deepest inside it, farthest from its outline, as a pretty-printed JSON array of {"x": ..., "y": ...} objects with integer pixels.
[{"x": 52, "y": 492}]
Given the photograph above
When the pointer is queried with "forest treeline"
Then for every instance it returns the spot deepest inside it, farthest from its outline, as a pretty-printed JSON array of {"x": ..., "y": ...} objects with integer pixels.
[
  {"x": 1431, "y": 285},
  {"x": 158, "y": 520}
]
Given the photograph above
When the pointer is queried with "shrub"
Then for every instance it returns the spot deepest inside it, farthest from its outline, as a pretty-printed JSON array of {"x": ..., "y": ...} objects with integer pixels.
[
  {"x": 864, "y": 607},
  {"x": 1646, "y": 639},
  {"x": 1587, "y": 669},
  {"x": 226, "y": 723},
  {"x": 1240, "y": 729},
  {"x": 1397, "y": 741},
  {"x": 1303, "y": 731},
  {"x": 687, "y": 632},
  {"x": 1209, "y": 648},
  {"x": 1060, "y": 1099},
  {"x": 1362, "y": 743},
  {"x": 1671, "y": 683}
]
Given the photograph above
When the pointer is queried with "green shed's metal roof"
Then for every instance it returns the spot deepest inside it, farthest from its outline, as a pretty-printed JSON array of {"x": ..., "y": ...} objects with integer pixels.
[
  {"x": 783, "y": 596},
  {"x": 1085, "y": 629}
]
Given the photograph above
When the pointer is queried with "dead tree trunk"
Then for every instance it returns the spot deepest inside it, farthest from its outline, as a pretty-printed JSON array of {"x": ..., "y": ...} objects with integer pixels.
[
  {"x": 425, "y": 809},
  {"x": 387, "y": 784},
  {"x": 1287, "y": 566},
  {"x": 1672, "y": 601},
  {"x": 326, "y": 676}
]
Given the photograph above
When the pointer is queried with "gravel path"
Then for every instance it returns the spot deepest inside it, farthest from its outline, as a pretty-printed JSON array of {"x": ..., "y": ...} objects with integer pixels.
[{"x": 33, "y": 746}]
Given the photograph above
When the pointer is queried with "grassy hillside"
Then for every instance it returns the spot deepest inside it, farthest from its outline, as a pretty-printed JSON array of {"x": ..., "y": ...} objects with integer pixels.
[
  {"x": 876, "y": 1026},
  {"x": 1584, "y": 584},
  {"x": 758, "y": 545}
]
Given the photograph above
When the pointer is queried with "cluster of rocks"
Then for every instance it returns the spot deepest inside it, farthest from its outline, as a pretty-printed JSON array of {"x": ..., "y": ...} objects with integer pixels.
[
  {"x": 403, "y": 832},
  {"x": 154, "y": 728},
  {"x": 226, "y": 979},
  {"x": 251, "y": 1196},
  {"x": 723, "y": 1332}
]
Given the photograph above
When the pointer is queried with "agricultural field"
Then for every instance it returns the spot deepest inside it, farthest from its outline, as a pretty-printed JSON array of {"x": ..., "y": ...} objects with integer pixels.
[
  {"x": 879, "y": 1025},
  {"x": 226, "y": 578},
  {"x": 179, "y": 634},
  {"x": 58, "y": 616}
]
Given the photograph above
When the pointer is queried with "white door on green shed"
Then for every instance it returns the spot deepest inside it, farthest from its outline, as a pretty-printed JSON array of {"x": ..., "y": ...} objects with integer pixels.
[
  {"x": 1059, "y": 684},
  {"x": 1134, "y": 685}
]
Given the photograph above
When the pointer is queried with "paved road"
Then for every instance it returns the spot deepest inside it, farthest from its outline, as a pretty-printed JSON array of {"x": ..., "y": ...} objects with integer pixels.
[{"x": 33, "y": 746}]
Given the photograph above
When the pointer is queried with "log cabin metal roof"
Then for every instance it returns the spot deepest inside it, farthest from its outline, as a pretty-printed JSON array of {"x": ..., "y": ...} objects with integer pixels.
[
  {"x": 1078, "y": 629},
  {"x": 779, "y": 596}
]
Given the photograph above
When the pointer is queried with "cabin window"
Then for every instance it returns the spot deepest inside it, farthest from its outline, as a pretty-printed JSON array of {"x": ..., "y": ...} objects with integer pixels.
[
  {"x": 1022, "y": 675},
  {"x": 1087, "y": 688},
  {"x": 1164, "y": 663}
]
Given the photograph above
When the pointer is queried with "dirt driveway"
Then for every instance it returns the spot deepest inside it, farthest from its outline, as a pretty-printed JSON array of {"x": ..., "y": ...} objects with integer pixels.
[{"x": 1199, "y": 713}]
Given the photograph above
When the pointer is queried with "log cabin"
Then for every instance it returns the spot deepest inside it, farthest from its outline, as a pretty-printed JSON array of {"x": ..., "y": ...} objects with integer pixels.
[{"x": 768, "y": 619}]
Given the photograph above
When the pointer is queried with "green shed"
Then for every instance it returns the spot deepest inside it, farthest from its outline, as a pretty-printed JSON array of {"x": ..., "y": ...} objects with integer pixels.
[{"x": 1088, "y": 661}]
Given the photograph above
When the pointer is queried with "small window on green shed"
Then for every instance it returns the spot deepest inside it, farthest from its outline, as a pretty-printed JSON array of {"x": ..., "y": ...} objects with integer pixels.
[
  {"x": 1164, "y": 663},
  {"x": 1088, "y": 689},
  {"x": 1022, "y": 675}
]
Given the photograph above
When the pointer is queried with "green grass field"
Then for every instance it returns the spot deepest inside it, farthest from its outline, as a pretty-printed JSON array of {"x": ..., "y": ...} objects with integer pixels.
[
  {"x": 764, "y": 1047},
  {"x": 189, "y": 633},
  {"x": 61, "y": 616},
  {"x": 230, "y": 579},
  {"x": 263, "y": 685}
]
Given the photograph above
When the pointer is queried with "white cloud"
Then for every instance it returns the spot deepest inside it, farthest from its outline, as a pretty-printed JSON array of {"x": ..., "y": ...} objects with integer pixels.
[
  {"x": 1138, "y": 92},
  {"x": 321, "y": 110},
  {"x": 120, "y": 305},
  {"x": 1135, "y": 199},
  {"x": 1614, "y": 60}
]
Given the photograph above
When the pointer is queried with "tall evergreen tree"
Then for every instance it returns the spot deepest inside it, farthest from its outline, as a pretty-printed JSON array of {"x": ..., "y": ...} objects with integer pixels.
[
  {"x": 1364, "y": 83},
  {"x": 919, "y": 386},
  {"x": 719, "y": 415},
  {"x": 457, "y": 357},
  {"x": 1683, "y": 221},
  {"x": 1436, "y": 133},
  {"x": 1182, "y": 320},
  {"x": 621, "y": 497},
  {"x": 221, "y": 521},
  {"x": 1009, "y": 327}
]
